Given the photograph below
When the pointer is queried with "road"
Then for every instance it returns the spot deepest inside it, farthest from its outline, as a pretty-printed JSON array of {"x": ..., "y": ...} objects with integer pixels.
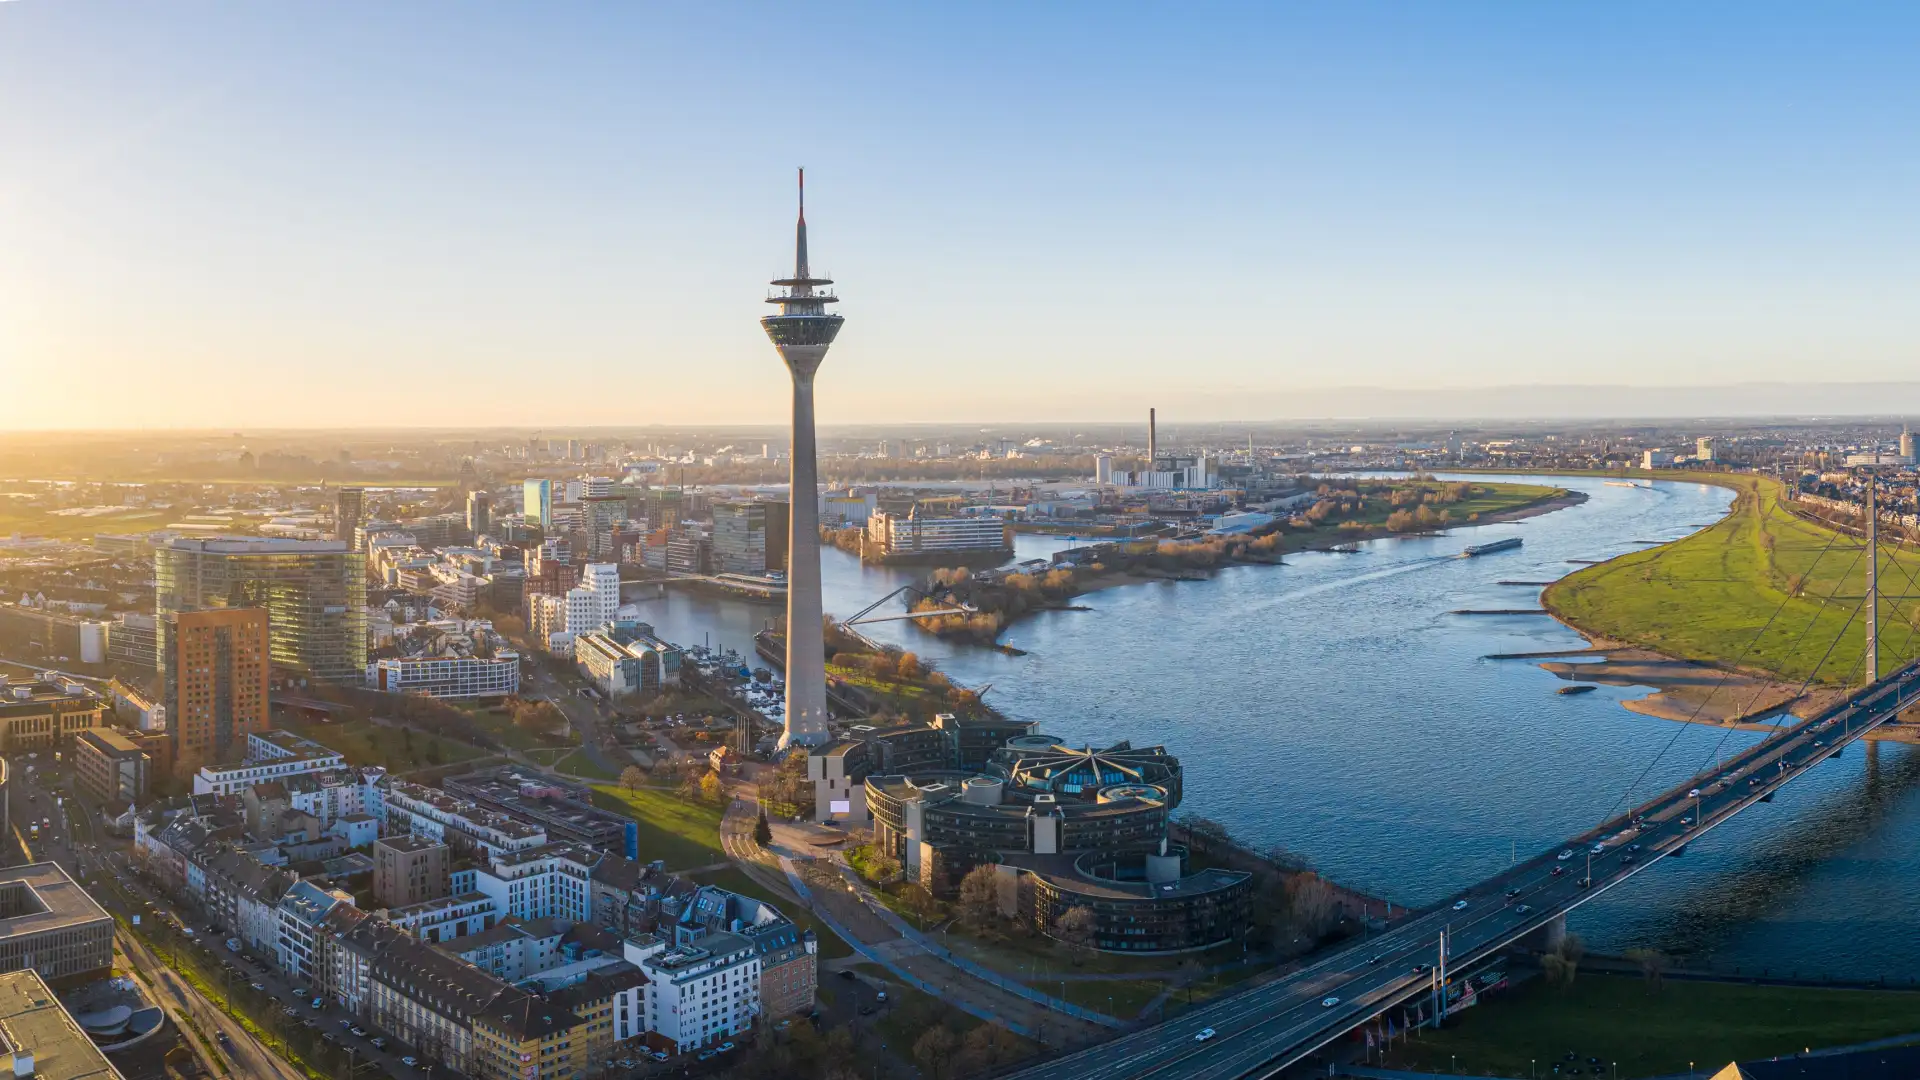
[
  {"x": 1262, "y": 1031},
  {"x": 582, "y": 713}
]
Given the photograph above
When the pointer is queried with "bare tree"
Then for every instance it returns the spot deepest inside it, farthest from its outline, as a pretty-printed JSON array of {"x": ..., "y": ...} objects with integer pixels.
[
  {"x": 980, "y": 895},
  {"x": 1653, "y": 966},
  {"x": 1313, "y": 904},
  {"x": 1076, "y": 928},
  {"x": 933, "y": 1050},
  {"x": 632, "y": 777}
]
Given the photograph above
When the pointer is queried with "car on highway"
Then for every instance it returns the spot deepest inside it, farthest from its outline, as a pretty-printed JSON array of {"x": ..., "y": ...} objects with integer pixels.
[
  {"x": 1693, "y": 793},
  {"x": 259, "y": 986},
  {"x": 1585, "y": 883},
  {"x": 1522, "y": 909},
  {"x": 1565, "y": 855},
  {"x": 224, "y": 1038},
  {"x": 1460, "y": 905},
  {"x": 1557, "y": 871},
  {"x": 1598, "y": 848},
  {"x": 1329, "y": 1002}
]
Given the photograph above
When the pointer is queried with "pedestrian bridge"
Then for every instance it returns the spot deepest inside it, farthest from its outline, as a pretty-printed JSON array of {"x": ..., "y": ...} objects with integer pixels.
[{"x": 1264, "y": 1030}]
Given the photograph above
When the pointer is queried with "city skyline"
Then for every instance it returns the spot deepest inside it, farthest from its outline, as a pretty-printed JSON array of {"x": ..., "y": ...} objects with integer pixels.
[{"x": 231, "y": 231}]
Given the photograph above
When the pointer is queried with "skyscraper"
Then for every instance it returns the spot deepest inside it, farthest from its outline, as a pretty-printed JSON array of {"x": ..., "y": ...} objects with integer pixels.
[
  {"x": 313, "y": 591},
  {"x": 537, "y": 501},
  {"x": 216, "y": 682},
  {"x": 349, "y": 510},
  {"x": 479, "y": 513},
  {"x": 802, "y": 332}
]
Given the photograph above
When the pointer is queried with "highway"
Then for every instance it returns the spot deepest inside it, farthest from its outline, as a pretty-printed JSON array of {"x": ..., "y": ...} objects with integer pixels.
[{"x": 1262, "y": 1031}]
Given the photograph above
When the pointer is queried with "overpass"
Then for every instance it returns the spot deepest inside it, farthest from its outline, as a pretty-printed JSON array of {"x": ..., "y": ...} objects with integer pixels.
[{"x": 1264, "y": 1030}]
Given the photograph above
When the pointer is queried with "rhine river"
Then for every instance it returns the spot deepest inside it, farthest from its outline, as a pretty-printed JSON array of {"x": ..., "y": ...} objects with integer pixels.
[{"x": 1334, "y": 707}]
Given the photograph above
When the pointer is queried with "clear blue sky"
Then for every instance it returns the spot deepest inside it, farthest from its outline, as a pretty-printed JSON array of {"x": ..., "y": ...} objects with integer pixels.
[{"x": 263, "y": 214}]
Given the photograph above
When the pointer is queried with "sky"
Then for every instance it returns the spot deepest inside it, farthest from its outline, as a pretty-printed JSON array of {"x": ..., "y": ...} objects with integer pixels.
[{"x": 235, "y": 215}]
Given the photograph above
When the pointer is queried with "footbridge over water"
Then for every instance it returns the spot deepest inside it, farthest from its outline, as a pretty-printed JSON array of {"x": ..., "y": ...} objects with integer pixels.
[{"x": 1262, "y": 1031}]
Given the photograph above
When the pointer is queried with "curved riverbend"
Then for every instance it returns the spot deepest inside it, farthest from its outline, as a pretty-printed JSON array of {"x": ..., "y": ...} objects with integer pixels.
[{"x": 1332, "y": 706}]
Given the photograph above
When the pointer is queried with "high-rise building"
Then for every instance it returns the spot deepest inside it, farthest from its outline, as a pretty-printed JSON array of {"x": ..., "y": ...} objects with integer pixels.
[
  {"x": 349, "y": 510},
  {"x": 409, "y": 869},
  {"x": 665, "y": 507},
  {"x": 479, "y": 513},
  {"x": 740, "y": 537},
  {"x": 215, "y": 666},
  {"x": 802, "y": 332},
  {"x": 1906, "y": 445},
  {"x": 313, "y": 591},
  {"x": 537, "y": 501},
  {"x": 603, "y": 514}
]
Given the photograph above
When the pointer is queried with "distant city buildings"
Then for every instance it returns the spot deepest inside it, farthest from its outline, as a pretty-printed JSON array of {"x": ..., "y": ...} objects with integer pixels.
[
  {"x": 448, "y": 659},
  {"x": 45, "y": 713},
  {"x": 349, "y": 510},
  {"x": 895, "y": 538},
  {"x": 749, "y": 537},
  {"x": 479, "y": 513},
  {"x": 313, "y": 591},
  {"x": 554, "y": 621},
  {"x": 626, "y": 657}
]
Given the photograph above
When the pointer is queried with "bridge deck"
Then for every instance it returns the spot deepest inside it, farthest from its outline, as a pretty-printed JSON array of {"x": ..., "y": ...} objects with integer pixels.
[{"x": 1265, "y": 1029}]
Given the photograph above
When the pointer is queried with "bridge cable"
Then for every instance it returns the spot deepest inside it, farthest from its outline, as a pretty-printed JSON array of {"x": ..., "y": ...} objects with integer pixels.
[
  {"x": 1812, "y": 621},
  {"x": 1726, "y": 672}
]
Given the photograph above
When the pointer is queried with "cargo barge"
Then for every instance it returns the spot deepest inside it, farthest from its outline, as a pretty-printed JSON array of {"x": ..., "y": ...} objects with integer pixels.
[{"x": 1488, "y": 549}]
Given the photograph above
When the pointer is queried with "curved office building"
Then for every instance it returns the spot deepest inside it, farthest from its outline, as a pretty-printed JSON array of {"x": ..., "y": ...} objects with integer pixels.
[{"x": 1068, "y": 827}]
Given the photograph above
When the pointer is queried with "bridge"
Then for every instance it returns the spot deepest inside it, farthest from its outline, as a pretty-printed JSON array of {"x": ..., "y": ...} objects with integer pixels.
[{"x": 1261, "y": 1032}]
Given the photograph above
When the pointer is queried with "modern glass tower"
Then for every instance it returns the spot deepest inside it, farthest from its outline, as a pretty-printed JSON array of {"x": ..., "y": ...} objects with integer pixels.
[{"x": 802, "y": 332}]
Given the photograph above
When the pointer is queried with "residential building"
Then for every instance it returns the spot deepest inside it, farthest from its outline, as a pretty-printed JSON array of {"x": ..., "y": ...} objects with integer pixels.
[
  {"x": 512, "y": 949},
  {"x": 697, "y": 994},
  {"x": 108, "y": 766},
  {"x": 541, "y": 883},
  {"x": 460, "y": 823},
  {"x": 409, "y": 869},
  {"x": 313, "y": 591},
  {"x": 349, "y": 510},
  {"x": 40, "y": 1038},
  {"x": 550, "y": 568},
  {"x": 302, "y": 911},
  {"x": 556, "y": 620},
  {"x": 624, "y": 895},
  {"x": 271, "y": 755},
  {"x": 45, "y": 713},
  {"x": 625, "y": 657},
  {"x": 215, "y": 672},
  {"x": 479, "y": 513},
  {"x": 48, "y": 923},
  {"x": 788, "y": 955},
  {"x": 447, "y": 919},
  {"x": 448, "y": 659},
  {"x": 133, "y": 638}
]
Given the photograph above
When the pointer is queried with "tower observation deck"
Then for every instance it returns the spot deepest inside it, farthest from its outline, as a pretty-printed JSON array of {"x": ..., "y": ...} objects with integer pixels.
[{"x": 802, "y": 332}]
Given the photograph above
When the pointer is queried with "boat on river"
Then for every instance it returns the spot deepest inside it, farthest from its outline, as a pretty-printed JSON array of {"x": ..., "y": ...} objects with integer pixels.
[
  {"x": 1487, "y": 549},
  {"x": 1577, "y": 688}
]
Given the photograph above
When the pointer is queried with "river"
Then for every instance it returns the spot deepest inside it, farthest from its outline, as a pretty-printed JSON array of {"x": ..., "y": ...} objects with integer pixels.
[{"x": 1333, "y": 706}]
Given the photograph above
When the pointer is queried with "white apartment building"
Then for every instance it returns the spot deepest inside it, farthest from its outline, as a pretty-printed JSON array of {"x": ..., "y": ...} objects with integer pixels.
[
  {"x": 447, "y": 676},
  {"x": 271, "y": 755},
  {"x": 459, "y": 823},
  {"x": 450, "y": 917},
  {"x": 543, "y": 883},
  {"x": 698, "y": 994},
  {"x": 891, "y": 535},
  {"x": 300, "y": 943}
]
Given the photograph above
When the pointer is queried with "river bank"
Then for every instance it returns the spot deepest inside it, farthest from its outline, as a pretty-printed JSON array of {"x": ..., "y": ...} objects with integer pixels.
[{"x": 1364, "y": 513}]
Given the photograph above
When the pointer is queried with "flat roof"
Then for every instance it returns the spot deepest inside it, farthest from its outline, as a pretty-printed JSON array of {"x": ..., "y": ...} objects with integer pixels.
[
  {"x": 32, "y": 1020},
  {"x": 65, "y": 904}
]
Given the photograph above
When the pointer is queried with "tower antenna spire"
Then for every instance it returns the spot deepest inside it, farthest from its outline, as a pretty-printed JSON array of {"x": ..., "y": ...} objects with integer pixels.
[{"x": 800, "y": 237}]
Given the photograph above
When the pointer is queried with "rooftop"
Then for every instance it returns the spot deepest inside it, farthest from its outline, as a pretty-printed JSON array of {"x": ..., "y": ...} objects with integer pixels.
[
  {"x": 33, "y": 1021},
  {"x": 44, "y": 898}
]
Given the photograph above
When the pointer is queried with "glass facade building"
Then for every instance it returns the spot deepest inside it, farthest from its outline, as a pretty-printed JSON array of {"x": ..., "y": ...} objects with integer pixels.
[{"x": 313, "y": 591}]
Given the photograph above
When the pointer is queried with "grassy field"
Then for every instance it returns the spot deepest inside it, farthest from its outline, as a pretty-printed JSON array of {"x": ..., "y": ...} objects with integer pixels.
[
  {"x": 733, "y": 880},
  {"x": 685, "y": 834},
  {"x": 31, "y": 521},
  {"x": 1708, "y": 596},
  {"x": 1652, "y": 1033},
  {"x": 397, "y": 749},
  {"x": 1486, "y": 499},
  {"x": 578, "y": 764}
]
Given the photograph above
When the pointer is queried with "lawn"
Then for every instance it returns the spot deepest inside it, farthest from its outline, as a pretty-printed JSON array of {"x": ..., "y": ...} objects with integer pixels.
[
  {"x": 497, "y": 723},
  {"x": 686, "y": 834},
  {"x": 1486, "y": 499},
  {"x": 396, "y": 748},
  {"x": 734, "y": 880},
  {"x": 1619, "y": 1019},
  {"x": 579, "y": 764},
  {"x": 1708, "y": 596}
]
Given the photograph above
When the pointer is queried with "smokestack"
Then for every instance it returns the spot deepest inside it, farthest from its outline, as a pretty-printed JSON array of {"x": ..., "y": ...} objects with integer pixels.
[{"x": 1153, "y": 441}]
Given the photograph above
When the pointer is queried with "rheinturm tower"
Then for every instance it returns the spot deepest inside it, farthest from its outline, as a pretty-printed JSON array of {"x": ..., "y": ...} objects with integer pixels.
[{"x": 802, "y": 332}]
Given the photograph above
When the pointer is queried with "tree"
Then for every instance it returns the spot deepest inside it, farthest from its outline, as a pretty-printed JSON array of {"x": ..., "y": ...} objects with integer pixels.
[
  {"x": 632, "y": 777},
  {"x": 1313, "y": 904},
  {"x": 908, "y": 666},
  {"x": 980, "y": 895},
  {"x": 710, "y": 788},
  {"x": 933, "y": 1049},
  {"x": 920, "y": 904},
  {"x": 1653, "y": 965},
  {"x": 538, "y": 717},
  {"x": 1076, "y": 927},
  {"x": 762, "y": 832},
  {"x": 987, "y": 1048}
]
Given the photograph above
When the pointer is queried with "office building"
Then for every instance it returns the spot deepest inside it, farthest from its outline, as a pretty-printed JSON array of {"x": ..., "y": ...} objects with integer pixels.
[
  {"x": 555, "y": 620},
  {"x": 603, "y": 515},
  {"x": 110, "y": 767},
  {"x": 133, "y": 638},
  {"x": 563, "y": 809},
  {"x": 448, "y": 659},
  {"x": 802, "y": 332},
  {"x": 349, "y": 510},
  {"x": 410, "y": 870},
  {"x": 893, "y": 538},
  {"x": 41, "y": 1038},
  {"x": 313, "y": 591},
  {"x": 479, "y": 513},
  {"x": 749, "y": 537},
  {"x": 536, "y": 502},
  {"x": 48, "y": 923},
  {"x": 215, "y": 681},
  {"x": 625, "y": 657},
  {"x": 45, "y": 713}
]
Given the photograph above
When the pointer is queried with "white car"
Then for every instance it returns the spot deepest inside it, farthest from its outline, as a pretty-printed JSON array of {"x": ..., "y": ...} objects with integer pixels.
[
  {"x": 1203, "y": 1035},
  {"x": 1460, "y": 905},
  {"x": 1693, "y": 793},
  {"x": 1598, "y": 848},
  {"x": 1329, "y": 1002},
  {"x": 1565, "y": 855}
]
